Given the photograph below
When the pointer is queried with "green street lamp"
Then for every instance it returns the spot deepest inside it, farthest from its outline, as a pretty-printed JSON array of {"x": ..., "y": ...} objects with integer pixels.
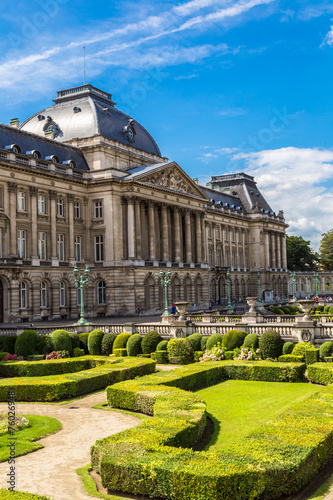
[
  {"x": 293, "y": 282},
  {"x": 81, "y": 281},
  {"x": 259, "y": 291},
  {"x": 165, "y": 282},
  {"x": 229, "y": 306},
  {"x": 316, "y": 281}
]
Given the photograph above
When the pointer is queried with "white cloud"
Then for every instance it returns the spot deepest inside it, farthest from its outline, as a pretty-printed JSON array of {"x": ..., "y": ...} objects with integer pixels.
[
  {"x": 186, "y": 77},
  {"x": 329, "y": 38},
  {"x": 231, "y": 112},
  {"x": 300, "y": 182},
  {"x": 227, "y": 151}
]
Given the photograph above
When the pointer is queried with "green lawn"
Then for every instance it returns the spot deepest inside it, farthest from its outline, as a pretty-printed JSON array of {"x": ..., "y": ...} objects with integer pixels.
[{"x": 238, "y": 407}]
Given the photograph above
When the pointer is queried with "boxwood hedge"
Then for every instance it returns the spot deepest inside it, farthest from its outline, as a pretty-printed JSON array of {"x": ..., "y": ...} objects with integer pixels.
[{"x": 20, "y": 495}]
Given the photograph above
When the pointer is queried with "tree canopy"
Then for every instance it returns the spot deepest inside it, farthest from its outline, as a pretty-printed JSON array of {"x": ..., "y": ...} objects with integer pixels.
[
  {"x": 326, "y": 251},
  {"x": 300, "y": 257}
]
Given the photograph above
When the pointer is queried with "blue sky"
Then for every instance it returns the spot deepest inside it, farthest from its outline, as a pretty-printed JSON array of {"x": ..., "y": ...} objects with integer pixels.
[{"x": 220, "y": 84}]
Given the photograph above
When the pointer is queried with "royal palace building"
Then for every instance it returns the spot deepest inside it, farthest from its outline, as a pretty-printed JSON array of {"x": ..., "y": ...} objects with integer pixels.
[{"x": 83, "y": 183}]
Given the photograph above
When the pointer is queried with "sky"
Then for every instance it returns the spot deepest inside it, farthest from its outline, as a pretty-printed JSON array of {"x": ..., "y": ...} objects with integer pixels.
[{"x": 222, "y": 85}]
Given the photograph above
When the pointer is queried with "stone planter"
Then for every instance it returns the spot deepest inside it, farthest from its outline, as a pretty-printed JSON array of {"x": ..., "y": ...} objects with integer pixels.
[
  {"x": 181, "y": 309},
  {"x": 252, "y": 302},
  {"x": 306, "y": 306}
]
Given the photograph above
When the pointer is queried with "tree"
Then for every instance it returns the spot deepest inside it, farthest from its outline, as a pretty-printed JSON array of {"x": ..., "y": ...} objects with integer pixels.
[
  {"x": 326, "y": 251},
  {"x": 300, "y": 257}
]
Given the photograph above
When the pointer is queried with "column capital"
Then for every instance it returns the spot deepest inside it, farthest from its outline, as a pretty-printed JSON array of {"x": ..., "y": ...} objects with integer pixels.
[
  {"x": 124, "y": 200},
  {"x": 53, "y": 195},
  {"x": 151, "y": 203},
  {"x": 164, "y": 207},
  {"x": 33, "y": 191},
  {"x": 70, "y": 198},
  {"x": 12, "y": 187}
]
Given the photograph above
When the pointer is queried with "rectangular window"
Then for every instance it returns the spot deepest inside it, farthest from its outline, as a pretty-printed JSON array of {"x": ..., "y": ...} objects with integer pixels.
[
  {"x": 226, "y": 260},
  {"x": 225, "y": 234},
  {"x": 62, "y": 294},
  {"x": 23, "y": 295},
  {"x": 218, "y": 259},
  {"x": 61, "y": 247},
  {"x": 99, "y": 248},
  {"x": 77, "y": 210},
  {"x": 21, "y": 243},
  {"x": 245, "y": 261},
  {"x": 43, "y": 295},
  {"x": 77, "y": 244},
  {"x": 238, "y": 236},
  {"x": 98, "y": 209},
  {"x": 42, "y": 246},
  {"x": 210, "y": 256},
  {"x": 41, "y": 204},
  {"x": 232, "y": 235},
  {"x": 217, "y": 234},
  {"x": 21, "y": 200},
  {"x": 60, "y": 207},
  {"x": 208, "y": 232}
]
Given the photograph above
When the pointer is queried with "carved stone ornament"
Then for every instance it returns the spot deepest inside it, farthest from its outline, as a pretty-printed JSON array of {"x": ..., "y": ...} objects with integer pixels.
[
  {"x": 171, "y": 179},
  {"x": 129, "y": 131},
  {"x": 306, "y": 335}
]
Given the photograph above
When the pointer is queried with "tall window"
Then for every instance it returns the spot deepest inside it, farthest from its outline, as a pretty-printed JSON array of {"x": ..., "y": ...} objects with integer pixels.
[
  {"x": 23, "y": 295},
  {"x": 101, "y": 292},
  {"x": 233, "y": 259},
  {"x": 77, "y": 245},
  {"x": 232, "y": 235},
  {"x": 98, "y": 210},
  {"x": 60, "y": 207},
  {"x": 226, "y": 259},
  {"x": 245, "y": 261},
  {"x": 218, "y": 257},
  {"x": 62, "y": 294},
  {"x": 99, "y": 248},
  {"x": 77, "y": 210},
  {"x": 238, "y": 236},
  {"x": 217, "y": 233},
  {"x": 41, "y": 204},
  {"x": 42, "y": 246},
  {"x": 21, "y": 244},
  {"x": 210, "y": 256},
  {"x": 0, "y": 242},
  {"x": 225, "y": 234},
  {"x": 21, "y": 205},
  {"x": 208, "y": 232},
  {"x": 61, "y": 247},
  {"x": 43, "y": 294}
]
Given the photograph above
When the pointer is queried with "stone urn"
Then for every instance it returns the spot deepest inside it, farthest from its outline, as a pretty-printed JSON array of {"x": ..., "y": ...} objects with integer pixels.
[
  {"x": 181, "y": 309},
  {"x": 252, "y": 302},
  {"x": 306, "y": 306}
]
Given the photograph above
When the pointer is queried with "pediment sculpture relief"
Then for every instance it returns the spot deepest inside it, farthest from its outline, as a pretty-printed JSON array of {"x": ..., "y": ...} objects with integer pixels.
[{"x": 171, "y": 179}]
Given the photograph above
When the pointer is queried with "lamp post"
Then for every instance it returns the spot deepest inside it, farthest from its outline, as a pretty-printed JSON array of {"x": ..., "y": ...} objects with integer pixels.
[
  {"x": 229, "y": 306},
  {"x": 316, "y": 281},
  {"x": 81, "y": 281},
  {"x": 165, "y": 282},
  {"x": 293, "y": 282},
  {"x": 259, "y": 291}
]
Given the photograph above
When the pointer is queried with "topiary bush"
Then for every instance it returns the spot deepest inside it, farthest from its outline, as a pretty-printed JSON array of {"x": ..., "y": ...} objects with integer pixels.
[
  {"x": 270, "y": 344},
  {"x": 161, "y": 357},
  {"x": 45, "y": 345},
  {"x": 180, "y": 352},
  {"x": 75, "y": 339},
  {"x": 120, "y": 353},
  {"x": 8, "y": 344},
  {"x": 204, "y": 343},
  {"x": 162, "y": 346},
  {"x": 319, "y": 308},
  {"x": 107, "y": 343},
  {"x": 84, "y": 341},
  {"x": 326, "y": 309},
  {"x": 26, "y": 343},
  {"x": 121, "y": 341},
  {"x": 311, "y": 356},
  {"x": 325, "y": 349},
  {"x": 213, "y": 340},
  {"x": 251, "y": 340},
  {"x": 288, "y": 348},
  {"x": 233, "y": 339},
  {"x": 61, "y": 341},
  {"x": 95, "y": 341},
  {"x": 77, "y": 352},
  {"x": 331, "y": 310},
  {"x": 134, "y": 345},
  {"x": 150, "y": 341},
  {"x": 301, "y": 347},
  {"x": 195, "y": 341}
]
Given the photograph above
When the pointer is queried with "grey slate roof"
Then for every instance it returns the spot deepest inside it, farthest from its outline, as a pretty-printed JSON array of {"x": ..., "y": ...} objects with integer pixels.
[
  {"x": 86, "y": 111},
  {"x": 220, "y": 197},
  {"x": 29, "y": 142},
  {"x": 144, "y": 169}
]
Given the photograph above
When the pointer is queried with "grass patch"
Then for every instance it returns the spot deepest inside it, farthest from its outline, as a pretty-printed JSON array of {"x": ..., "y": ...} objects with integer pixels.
[
  {"x": 91, "y": 488},
  {"x": 105, "y": 406},
  {"x": 26, "y": 439},
  {"x": 323, "y": 490},
  {"x": 238, "y": 407}
]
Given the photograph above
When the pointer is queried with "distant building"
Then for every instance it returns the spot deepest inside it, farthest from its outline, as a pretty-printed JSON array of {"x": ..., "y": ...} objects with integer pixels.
[{"x": 81, "y": 182}]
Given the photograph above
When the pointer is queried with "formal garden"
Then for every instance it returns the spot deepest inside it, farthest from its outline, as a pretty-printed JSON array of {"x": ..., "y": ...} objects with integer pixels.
[{"x": 269, "y": 404}]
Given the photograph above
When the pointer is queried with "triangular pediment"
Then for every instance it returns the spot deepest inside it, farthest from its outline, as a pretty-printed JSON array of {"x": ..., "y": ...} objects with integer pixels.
[{"x": 171, "y": 177}]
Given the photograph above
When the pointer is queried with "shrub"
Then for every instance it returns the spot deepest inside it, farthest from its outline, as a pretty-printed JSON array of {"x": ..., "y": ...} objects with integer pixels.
[
  {"x": 94, "y": 342},
  {"x": 290, "y": 358},
  {"x": 331, "y": 310},
  {"x": 228, "y": 355},
  {"x": 233, "y": 339},
  {"x": 6, "y": 494},
  {"x": 301, "y": 347},
  {"x": 26, "y": 343},
  {"x": 161, "y": 357},
  {"x": 84, "y": 341},
  {"x": 214, "y": 354},
  {"x": 61, "y": 340},
  {"x": 75, "y": 339},
  {"x": 2, "y": 354},
  {"x": 35, "y": 357},
  {"x": 9, "y": 344},
  {"x": 162, "y": 346},
  {"x": 270, "y": 344},
  {"x": 204, "y": 343},
  {"x": 326, "y": 309},
  {"x": 197, "y": 355},
  {"x": 288, "y": 348},
  {"x": 195, "y": 341},
  {"x": 134, "y": 345},
  {"x": 54, "y": 355},
  {"x": 326, "y": 349},
  {"x": 45, "y": 345},
  {"x": 213, "y": 340},
  {"x": 319, "y": 308},
  {"x": 150, "y": 341},
  {"x": 121, "y": 341},
  {"x": 251, "y": 340},
  {"x": 119, "y": 353},
  {"x": 77, "y": 352},
  {"x": 329, "y": 359},
  {"x": 180, "y": 352},
  {"x": 107, "y": 343},
  {"x": 10, "y": 357},
  {"x": 311, "y": 356}
]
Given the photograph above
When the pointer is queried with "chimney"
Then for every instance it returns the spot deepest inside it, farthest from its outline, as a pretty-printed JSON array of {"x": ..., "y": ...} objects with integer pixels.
[
  {"x": 49, "y": 133},
  {"x": 14, "y": 122}
]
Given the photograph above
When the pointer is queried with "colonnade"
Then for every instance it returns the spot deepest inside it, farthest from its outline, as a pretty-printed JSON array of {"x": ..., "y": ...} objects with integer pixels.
[{"x": 275, "y": 250}]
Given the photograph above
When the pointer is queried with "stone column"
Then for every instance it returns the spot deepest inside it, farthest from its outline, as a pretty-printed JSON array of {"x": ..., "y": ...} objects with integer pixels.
[
  {"x": 284, "y": 252},
  {"x": 214, "y": 244},
  {"x": 273, "y": 250},
  {"x": 188, "y": 242},
  {"x": 165, "y": 233},
  {"x": 243, "y": 247},
  {"x": 12, "y": 189},
  {"x": 138, "y": 228},
  {"x": 151, "y": 224},
  {"x": 278, "y": 241},
  {"x": 198, "y": 237},
  {"x": 267, "y": 263},
  {"x": 34, "y": 246},
  {"x": 53, "y": 199},
  {"x": 176, "y": 216},
  {"x": 205, "y": 240},
  {"x": 70, "y": 203},
  {"x": 86, "y": 218},
  {"x": 130, "y": 228}
]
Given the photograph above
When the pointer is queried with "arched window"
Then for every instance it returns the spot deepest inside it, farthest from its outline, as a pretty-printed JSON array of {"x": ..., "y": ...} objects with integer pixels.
[
  {"x": 101, "y": 293},
  {"x": 62, "y": 294},
  {"x": 23, "y": 295},
  {"x": 43, "y": 294}
]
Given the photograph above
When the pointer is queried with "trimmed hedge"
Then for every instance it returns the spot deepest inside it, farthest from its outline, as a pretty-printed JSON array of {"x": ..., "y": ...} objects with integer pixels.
[
  {"x": 75, "y": 339},
  {"x": 288, "y": 348},
  {"x": 8, "y": 344},
  {"x": 290, "y": 358},
  {"x": 329, "y": 359},
  {"x": 61, "y": 341},
  {"x": 161, "y": 357},
  {"x": 95, "y": 341},
  {"x": 121, "y": 341},
  {"x": 84, "y": 341},
  {"x": 197, "y": 355},
  {"x": 311, "y": 356},
  {"x": 150, "y": 342},
  {"x": 270, "y": 344},
  {"x": 233, "y": 339},
  {"x": 35, "y": 357},
  {"x": 195, "y": 341},
  {"x": 77, "y": 352},
  {"x": 325, "y": 349},
  {"x": 213, "y": 340},
  {"x": 120, "y": 353},
  {"x": 162, "y": 346},
  {"x": 251, "y": 340},
  {"x": 107, "y": 343},
  {"x": 20, "y": 495},
  {"x": 301, "y": 347},
  {"x": 26, "y": 343},
  {"x": 103, "y": 372},
  {"x": 320, "y": 373},
  {"x": 134, "y": 345},
  {"x": 45, "y": 345},
  {"x": 180, "y": 352}
]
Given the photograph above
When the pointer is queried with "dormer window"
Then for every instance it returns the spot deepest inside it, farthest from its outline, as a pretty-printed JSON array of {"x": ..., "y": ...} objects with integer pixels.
[
  {"x": 69, "y": 163},
  {"x": 14, "y": 148},
  {"x": 52, "y": 158},
  {"x": 34, "y": 153}
]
